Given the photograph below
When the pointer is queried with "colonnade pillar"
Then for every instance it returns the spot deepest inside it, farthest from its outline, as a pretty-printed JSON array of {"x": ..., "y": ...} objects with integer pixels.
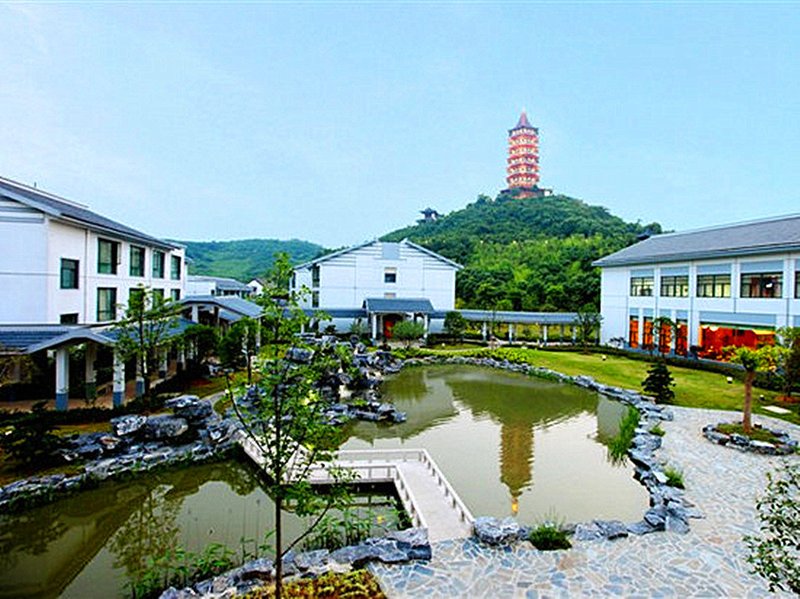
[
  {"x": 118, "y": 389},
  {"x": 62, "y": 378},
  {"x": 90, "y": 372}
]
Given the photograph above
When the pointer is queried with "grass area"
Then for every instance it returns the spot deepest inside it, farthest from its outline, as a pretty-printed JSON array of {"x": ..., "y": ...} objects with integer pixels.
[
  {"x": 359, "y": 584},
  {"x": 693, "y": 388},
  {"x": 65, "y": 430}
]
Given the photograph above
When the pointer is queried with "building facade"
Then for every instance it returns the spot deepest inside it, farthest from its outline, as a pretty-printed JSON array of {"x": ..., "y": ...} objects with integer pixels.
[
  {"x": 394, "y": 279},
  {"x": 732, "y": 285},
  {"x": 61, "y": 263}
]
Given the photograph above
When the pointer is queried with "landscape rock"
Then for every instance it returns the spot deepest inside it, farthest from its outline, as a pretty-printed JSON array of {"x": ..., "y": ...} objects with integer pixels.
[
  {"x": 128, "y": 425},
  {"x": 190, "y": 407},
  {"x": 492, "y": 531},
  {"x": 165, "y": 427}
]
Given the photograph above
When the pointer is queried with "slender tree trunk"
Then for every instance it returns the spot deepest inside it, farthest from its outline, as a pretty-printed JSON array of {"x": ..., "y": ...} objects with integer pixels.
[
  {"x": 278, "y": 547},
  {"x": 747, "y": 425}
]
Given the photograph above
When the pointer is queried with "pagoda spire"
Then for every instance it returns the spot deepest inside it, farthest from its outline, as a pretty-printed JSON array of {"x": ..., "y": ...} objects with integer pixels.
[{"x": 523, "y": 156}]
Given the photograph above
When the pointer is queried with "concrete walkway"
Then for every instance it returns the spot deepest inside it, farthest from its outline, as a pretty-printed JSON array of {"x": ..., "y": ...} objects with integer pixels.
[{"x": 709, "y": 561}]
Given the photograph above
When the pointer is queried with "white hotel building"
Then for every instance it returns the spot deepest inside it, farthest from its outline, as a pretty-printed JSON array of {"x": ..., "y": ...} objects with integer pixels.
[
  {"x": 66, "y": 271},
  {"x": 728, "y": 285},
  {"x": 380, "y": 281}
]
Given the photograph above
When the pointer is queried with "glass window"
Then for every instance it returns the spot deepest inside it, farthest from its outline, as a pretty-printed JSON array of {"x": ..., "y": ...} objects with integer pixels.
[
  {"x": 107, "y": 256},
  {"x": 71, "y": 318},
  {"x": 390, "y": 275},
  {"x": 647, "y": 333},
  {"x": 762, "y": 284},
  {"x": 315, "y": 276},
  {"x": 136, "y": 292},
  {"x": 158, "y": 297},
  {"x": 315, "y": 299},
  {"x": 137, "y": 261},
  {"x": 175, "y": 268},
  {"x": 797, "y": 284},
  {"x": 175, "y": 294},
  {"x": 713, "y": 285},
  {"x": 158, "y": 264},
  {"x": 106, "y": 303},
  {"x": 675, "y": 286},
  {"x": 641, "y": 286},
  {"x": 69, "y": 273},
  {"x": 633, "y": 332}
]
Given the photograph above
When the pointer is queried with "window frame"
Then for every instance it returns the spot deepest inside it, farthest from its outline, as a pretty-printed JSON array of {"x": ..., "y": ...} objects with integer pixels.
[
  {"x": 141, "y": 252},
  {"x": 159, "y": 264},
  {"x": 175, "y": 272},
  {"x": 761, "y": 281},
  {"x": 315, "y": 299},
  {"x": 315, "y": 276},
  {"x": 175, "y": 295},
  {"x": 674, "y": 286},
  {"x": 110, "y": 266},
  {"x": 715, "y": 283},
  {"x": 639, "y": 286},
  {"x": 111, "y": 309},
  {"x": 76, "y": 273}
]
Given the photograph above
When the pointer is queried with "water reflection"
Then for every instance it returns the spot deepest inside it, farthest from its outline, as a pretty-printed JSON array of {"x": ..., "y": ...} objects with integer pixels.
[{"x": 487, "y": 428}]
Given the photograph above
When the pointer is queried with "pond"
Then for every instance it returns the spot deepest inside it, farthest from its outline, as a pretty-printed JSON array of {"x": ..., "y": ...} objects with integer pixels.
[
  {"x": 512, "y": 445},
  {"x": 91, "y": 544}
]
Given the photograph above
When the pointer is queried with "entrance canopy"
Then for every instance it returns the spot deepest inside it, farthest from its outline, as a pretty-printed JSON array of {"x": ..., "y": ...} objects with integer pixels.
[{"x": 382, "y": 305}]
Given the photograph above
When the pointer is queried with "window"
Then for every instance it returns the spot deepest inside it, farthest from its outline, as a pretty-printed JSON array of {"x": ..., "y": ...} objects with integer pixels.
[
  {"x": 69, "y": 273},
  {"x": 390, "y": 275},
  {"x": 315, "y": 276},
  {"x": 293, "y": 284},
  {"x": 642, "y": 286},
  {"x": 106, "y": 303},
  {"x": 713, "y": 285},
  {"x": 797, "y": 284},
  {"x": 762, "y": 284},
  {"x": 158, "y": 297},
  {"x": 158, "y": 264},
  {"x": 315, "y": 299},
  {"x": 633, "y": 332},
  {"x": 175, "y": 268},
  {"x": 71, "y": 318},
  {"x": 107, "y": 256},
  {"x": 175, "y": 295},
  {"x": 677, "y": 286},
  {"x": 389, "y": 295},
  {"x": 137, "y": 261},
  {"x": 647, "y": 333}
]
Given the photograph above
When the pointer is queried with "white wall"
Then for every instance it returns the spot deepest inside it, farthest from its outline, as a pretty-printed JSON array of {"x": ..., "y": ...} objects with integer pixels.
[
  {"x": 30, "y": 270},
  {"x": 617, "y": 303},
  {"x": 347, "y": 280}
]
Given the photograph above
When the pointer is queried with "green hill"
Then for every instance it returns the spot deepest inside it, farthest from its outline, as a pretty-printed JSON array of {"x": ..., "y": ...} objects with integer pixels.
[
  {"x": 526, "y": 254},
  {"x": 244, "y": 259}
]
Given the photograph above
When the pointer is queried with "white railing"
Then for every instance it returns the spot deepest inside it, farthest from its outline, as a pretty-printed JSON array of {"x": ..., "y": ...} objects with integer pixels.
[{"x": 449, "y": 491}]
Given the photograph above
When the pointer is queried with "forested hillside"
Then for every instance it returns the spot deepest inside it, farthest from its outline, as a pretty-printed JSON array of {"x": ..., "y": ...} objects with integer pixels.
[
  {"x": 244, "y": 259},
  {"x": 526, "y": 254}
]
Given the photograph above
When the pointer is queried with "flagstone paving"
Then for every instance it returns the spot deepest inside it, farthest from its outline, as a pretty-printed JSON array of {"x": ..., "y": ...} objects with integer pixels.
[{"x": 709, "y": 561}]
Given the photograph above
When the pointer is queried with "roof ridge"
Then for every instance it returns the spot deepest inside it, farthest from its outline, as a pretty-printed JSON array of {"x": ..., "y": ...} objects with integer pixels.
[
  {"x": 743, "y": 223},
  {"x": 43, "y": 192}
]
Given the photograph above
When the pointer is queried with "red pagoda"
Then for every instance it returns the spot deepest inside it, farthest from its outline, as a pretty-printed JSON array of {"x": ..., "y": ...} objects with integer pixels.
[{"x": 523, "y": 160}]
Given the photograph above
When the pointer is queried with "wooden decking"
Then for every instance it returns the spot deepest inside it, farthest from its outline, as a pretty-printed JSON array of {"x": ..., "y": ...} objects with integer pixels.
[{"x": 426, "y": 494}]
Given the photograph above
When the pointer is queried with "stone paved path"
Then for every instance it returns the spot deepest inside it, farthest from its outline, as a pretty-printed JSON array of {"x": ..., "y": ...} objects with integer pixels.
[{"x": 706, "y": 562}]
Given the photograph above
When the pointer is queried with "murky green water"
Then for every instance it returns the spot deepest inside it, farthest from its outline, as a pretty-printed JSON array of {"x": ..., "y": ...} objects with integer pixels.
[
  {"x": 512, "y": 444},
  {"x": 89, "y": 545}
]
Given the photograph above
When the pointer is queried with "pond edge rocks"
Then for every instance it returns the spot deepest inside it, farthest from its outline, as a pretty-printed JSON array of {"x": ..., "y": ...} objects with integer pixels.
[{"x": 668, "y": 510}]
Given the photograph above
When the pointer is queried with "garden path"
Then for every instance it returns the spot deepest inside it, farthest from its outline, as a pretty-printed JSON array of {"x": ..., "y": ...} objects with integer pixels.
[{"x": 709, "y": 561}]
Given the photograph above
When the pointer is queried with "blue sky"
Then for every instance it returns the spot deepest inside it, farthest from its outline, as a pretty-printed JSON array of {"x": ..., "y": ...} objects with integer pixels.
[{"x": 338, "y": 122}]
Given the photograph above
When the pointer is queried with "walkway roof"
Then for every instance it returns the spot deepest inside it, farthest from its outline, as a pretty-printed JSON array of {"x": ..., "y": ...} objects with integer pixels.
[
  {"x": 230, "y": 303},
  {"x": 381, "y": 305}
]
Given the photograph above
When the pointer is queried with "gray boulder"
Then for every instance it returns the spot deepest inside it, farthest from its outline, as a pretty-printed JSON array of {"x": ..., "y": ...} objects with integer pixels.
[
  {"x": 128, "y": 425},
  {"x": 612, "y": 529},
  {"x": 165, "y": 427},
  {"x": 299, "y": 355},
  {"x": 496, "y": 532},
  {"x": 588, "y": 532},
  {"x": 190, "y": 407}
]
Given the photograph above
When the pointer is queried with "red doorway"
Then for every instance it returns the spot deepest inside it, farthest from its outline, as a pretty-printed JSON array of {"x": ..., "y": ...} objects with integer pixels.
[{"x": 389, "y": 320}]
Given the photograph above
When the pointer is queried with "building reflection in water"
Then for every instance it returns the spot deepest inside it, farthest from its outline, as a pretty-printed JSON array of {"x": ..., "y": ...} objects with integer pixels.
[{"x": 516, "y": 459}]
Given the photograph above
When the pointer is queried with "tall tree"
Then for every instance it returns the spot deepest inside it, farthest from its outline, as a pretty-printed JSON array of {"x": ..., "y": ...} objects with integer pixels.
[
  {"x": 284, "y": 420},
  {"x": 751, "y": 360},
  {"x": 587, "y": 321}
]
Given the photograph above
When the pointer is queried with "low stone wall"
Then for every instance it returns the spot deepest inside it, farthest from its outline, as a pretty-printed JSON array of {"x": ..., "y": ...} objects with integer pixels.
[
  {"x": 783, "y": 444},
  {"x": 396, "y": 547},
  {"x": 194, "y": 433},
  {"x": 669, "y": 509}
]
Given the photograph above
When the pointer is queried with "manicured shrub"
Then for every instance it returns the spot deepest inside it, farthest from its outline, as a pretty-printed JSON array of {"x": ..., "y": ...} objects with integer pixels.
[
  {"x": 659, "y": 383},
  {"x": 549, "y": 536}
]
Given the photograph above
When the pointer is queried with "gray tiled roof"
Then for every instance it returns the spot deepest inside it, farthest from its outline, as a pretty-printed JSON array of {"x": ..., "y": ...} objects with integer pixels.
[
  {"x": 383, "y": 305},
  {"x": 224, "y": 283},
  {"x": 231, "y": 303},
  {"x": 778, "y": 234},
  {"x": 520, "y": 317},
  {"x": 63, "y": 209},
  {"x": 406, "y": 242},
  {"x": 19, "y": 337}
]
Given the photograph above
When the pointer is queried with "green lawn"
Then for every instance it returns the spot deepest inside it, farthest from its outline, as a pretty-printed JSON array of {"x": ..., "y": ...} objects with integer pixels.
[{"x": 693, "y": 388}]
